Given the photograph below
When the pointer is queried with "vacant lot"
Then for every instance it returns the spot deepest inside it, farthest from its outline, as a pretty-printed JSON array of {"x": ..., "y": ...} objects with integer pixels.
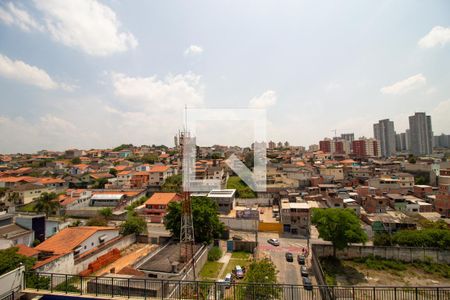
[
  {"x": 376, "y": 271},
  {"x": 242, "y": 259}
]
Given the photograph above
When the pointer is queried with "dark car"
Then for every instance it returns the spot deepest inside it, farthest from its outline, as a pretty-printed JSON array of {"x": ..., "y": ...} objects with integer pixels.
[
  {"x": 307, "y": 285},
  {"x": 274, "y": 242},
  {"x": 289, "y": 257},
  {"x": 301, "y": 259},
  {"x": 304, "y": 271},
  {"x": 237, "y": 238}
]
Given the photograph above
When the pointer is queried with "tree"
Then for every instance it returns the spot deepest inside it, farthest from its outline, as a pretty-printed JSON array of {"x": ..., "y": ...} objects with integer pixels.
[
  {"x": 214, "y": 254},
  {"x": 173, "y": 184},
  {"x": 134, "y": 224},
  {"x": 207, "y": 225},
  {"x": 100, "y": 183},
  {"x": 76, "y": 161},
  {"x": 105, "y": 212},
  {"x": 150, "y": 158},
  {"x": 113, "y": 172},
  {"x": 14, "y": 197},
  {"x": 46, "y": 203},
  {"x": 339, "y": 226},
  {"x": 261, "y": 272},
  {"x": 430, "y": 237}
]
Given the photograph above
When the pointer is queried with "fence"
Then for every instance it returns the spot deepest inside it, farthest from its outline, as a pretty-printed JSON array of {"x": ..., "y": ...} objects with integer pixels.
[{"x": 128, "y": 287}]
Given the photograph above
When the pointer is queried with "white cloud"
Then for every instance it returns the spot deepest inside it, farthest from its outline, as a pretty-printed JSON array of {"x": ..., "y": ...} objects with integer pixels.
[
  {"x": 440, "y": 119},
  {"x": 404, "y": 86},
  {"x": 13, "y": 15},
  {"x": 154, "y": 95},
  {"x": 23, "y": 72},
  {"x": 193, "y": 50},
  {"x": 437, "y": 36},
  {"x": 86, "y": 24},
  {"x": 267, "y": 99}
]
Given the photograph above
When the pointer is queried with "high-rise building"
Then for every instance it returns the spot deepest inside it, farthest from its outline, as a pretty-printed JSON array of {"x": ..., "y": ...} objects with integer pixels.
[
  {"x": 348, "y": 137},
  {"x": 442, "y": 141},
  {"x": 335, "y": 146},
  {"x": 401, "y": 142},
  {"x": 384, "y": 132},
  {"x": 366, "y": 147},
  {"x": 421, "y": 134}
]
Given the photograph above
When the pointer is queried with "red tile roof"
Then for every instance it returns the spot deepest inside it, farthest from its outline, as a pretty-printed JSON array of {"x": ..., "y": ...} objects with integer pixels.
[
  {"x": 26, "y": 251},
  {"x": 69, "y": 238},
  {"x": 162, "y": 198},
  {"x": 156, "y": 169}
]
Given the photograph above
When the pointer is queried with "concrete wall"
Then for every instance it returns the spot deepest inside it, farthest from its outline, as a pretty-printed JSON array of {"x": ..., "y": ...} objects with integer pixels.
[
  {"x": 239, "y": 224},
  {"x": 93, "y": 240},
  {"x": 62, "y": 265},
  {"x": 254, "y": 201},
  {"x": 11, "y": 282},
  {"x": 83, "y": 264},
  {"x": 406, "y": 254}
]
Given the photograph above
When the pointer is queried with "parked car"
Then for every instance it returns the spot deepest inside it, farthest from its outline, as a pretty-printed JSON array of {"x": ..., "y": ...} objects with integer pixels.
[
  {"x": 304, "y": 271},
  {"x": 307, "y": 285},
  {"x": 228, "y": 280},
  {"x": 237, "y": 238},
  {"x": 239, "y": 272},
  {"x": 301, "y": 259},
  {"x": 289, "y": 257},
  {"x": 274, "y": 242}
]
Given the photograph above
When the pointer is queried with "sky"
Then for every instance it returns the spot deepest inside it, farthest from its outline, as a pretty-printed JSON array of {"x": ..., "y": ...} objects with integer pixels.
[{"x": 100, "y": 73}]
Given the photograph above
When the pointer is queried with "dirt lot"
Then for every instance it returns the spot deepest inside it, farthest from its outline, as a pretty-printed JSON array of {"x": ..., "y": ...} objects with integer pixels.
[{"x": 357, "y": 273}]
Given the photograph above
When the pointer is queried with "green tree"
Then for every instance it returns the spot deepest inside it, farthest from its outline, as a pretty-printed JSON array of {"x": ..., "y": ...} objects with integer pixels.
[
  {"x": 134, "y": 224},
  {"x": 100, "y": 183},
  {"x": 261, "y": 272},
  {"x": 47, "y": 204},
  {"x": 76, "y": 161},
  {"x": 339, "y": 226},
  {"x": 205, "y": 217},
  {"x": 430, "y": 237},
  {"x": 113, "y": 172},
  {"x": 105, "y": 212},
  {"x": 214, "y": 254},
  {"x": 150, "y": 158},
  {"x": 173, "y": 184},
  {"x": 123, "y": 147},
  {"x": 14, "y": 197}
]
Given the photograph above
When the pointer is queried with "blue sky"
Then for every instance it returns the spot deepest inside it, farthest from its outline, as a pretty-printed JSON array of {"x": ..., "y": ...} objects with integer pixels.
[{"x": 92, "y": 73}]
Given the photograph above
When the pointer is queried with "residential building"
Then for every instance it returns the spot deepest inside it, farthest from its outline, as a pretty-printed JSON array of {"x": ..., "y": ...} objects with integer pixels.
[
  {"x": 159, "y": 174},
  {"x": 442, "y": 141},
  {"x": 384, "y": 132},
  {"x": 401, "y": 142},
  {"x": 156, "y": 205},
  {"x": 29, "y": 192},
  {"x": 421, "y": 134},
  {"x": 12, "y": 234},
  {"x": 295, "y": 217},
  {"x": 366, "y": 148}
]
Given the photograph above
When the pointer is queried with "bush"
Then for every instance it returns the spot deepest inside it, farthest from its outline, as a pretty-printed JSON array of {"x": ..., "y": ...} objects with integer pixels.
[
  {"x": 214, "y": 254},
  {"x": 430, "y": 237}
]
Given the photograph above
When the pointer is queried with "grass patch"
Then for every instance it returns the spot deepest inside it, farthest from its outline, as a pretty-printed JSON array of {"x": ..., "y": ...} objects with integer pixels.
[
  {"x": 235, "y": 262},
  {"x": 242, "y": 190},
  {"x": 211, "y": 270},
  {"x": 377, "y": 263},
  {"x": 27, "y": 207},
  {"x": 433, "y": 268},
  {"x": 240, "y": 255}
]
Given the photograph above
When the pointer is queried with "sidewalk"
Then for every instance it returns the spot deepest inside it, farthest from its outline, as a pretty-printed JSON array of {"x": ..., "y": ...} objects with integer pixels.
[{"x": 225, "y": 260}]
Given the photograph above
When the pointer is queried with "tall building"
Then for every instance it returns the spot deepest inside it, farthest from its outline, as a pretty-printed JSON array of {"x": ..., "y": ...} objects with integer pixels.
[
  {"x": 348, "y": 137},
  {"x": 335, "y": 146},
  {"x": 401, "y": 142},
  {"x": 384, "y": 132},
  {"x": 421, "y": 134},
  {"x": 366, "y": 148},
  {"x": 442, "y": 141}
]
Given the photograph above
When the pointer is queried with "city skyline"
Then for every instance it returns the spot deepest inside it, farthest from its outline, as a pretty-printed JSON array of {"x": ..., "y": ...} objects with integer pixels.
[{"x": 127, "y": 77}]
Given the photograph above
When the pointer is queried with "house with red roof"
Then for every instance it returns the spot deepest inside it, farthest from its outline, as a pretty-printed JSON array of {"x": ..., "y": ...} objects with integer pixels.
[
  {"x": 159, "y": 174},
  {"x": 156, "y": 205}
]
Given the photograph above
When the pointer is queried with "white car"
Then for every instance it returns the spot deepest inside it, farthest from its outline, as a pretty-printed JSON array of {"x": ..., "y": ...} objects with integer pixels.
[
  {"x": 239, "y": 272},
  {"x": 274, "y": 242}
]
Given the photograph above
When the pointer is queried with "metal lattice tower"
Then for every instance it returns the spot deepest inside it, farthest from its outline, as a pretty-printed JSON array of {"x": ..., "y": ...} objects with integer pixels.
[{"x": 187, "y": 240}]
